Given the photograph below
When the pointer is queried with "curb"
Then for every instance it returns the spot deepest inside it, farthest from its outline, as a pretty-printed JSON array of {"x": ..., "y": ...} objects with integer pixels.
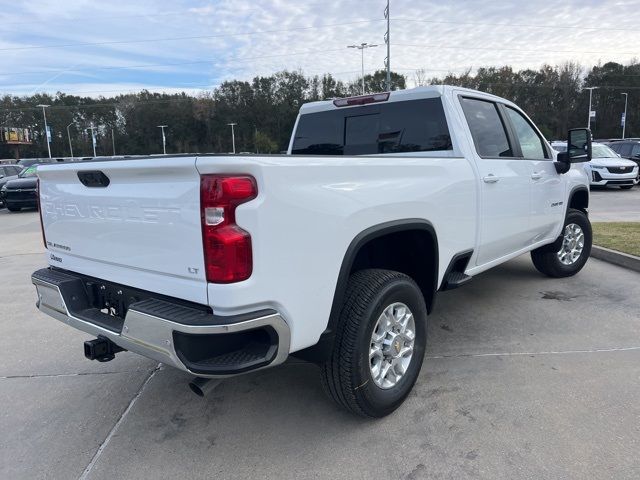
[{"x": 617, "y": 258}]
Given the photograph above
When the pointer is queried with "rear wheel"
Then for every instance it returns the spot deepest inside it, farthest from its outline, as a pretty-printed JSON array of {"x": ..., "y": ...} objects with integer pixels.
[
  {"x": 380, "y": 343},
  {"x": 11, "y": 208},
  {"x": 569, "y": 253},
  {"x": 626, "y": 187}
]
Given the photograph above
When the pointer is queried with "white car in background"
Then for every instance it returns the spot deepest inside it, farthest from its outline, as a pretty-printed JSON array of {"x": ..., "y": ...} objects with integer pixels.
[{"x": 606, "y": 167}]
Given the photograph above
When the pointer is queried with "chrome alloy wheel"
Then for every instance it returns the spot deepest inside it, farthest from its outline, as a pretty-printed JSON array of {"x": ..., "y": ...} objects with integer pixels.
[
  {"x": 392, "y": 344},
  {"x": 572, "y": 244}
]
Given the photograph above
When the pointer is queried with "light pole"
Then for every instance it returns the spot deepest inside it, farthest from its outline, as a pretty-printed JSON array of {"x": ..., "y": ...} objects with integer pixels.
[
  {"x": 46, "y": 129},
  {"x": 624, "y": 121},
  {"x": 233, "y": 136},
  {"x": 164, "y": 140},
  {"x": 113, "y": 142},
  {"x": 93, "y": 139},
  {"x": 591, "y": 89},
  {"x": 387, "y": 40},
  {"x": 361, "y": 47},
  {"x": 69, "y": 137}
]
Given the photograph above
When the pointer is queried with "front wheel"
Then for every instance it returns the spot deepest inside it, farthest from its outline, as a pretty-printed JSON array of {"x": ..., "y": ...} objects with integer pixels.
[
  {"x": 11, "y": 208},
  {"x": 569, "y": 253},
  {"x": 626, "y": 187},
  {"x": 380, "y": 342}
]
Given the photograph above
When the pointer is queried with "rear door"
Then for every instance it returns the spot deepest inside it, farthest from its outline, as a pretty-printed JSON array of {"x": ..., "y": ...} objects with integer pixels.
[
  {"x": 504, "y": 182},
  {"x": 134, "y": 222},
  {"x": 547, "y": 188}
]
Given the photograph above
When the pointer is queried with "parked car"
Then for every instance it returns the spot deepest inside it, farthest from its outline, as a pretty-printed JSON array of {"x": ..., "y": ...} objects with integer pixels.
[
  {"x": 21, "y": 192},
  {"x": 224, "y": 264},
  {"x": 629, "y": 149},
  {"x": 7, "y": 173},
  {"x": 606, "y": 167}
]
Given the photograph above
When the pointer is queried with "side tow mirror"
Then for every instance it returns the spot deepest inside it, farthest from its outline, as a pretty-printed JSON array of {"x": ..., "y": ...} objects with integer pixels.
[{"x": 579, "y": 145}]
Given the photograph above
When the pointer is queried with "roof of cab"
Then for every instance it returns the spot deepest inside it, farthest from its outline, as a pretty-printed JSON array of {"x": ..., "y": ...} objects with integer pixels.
[{"x": 430, "y": 91}]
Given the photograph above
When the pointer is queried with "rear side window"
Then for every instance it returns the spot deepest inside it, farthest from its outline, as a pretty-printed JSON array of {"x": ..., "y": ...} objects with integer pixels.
[
  {"x": 487, "y": 129},
  {"x": 409, "y": 126},
  {"x": 625, "y": 150},
  {"x": 530, "y": 142}
]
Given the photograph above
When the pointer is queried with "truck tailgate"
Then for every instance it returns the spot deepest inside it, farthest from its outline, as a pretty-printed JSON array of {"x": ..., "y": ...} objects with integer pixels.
[{"x": 139, "y": 230}]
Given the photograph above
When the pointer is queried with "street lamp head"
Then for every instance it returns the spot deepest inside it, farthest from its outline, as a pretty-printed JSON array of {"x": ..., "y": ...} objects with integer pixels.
[
  {"x": 163, "y": 126},
  {"x": 42, "y": 105}
]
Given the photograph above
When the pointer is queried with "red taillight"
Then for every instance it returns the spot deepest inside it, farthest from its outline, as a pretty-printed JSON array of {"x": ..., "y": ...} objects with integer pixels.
[
  {"x": 44, "y": 238},
  {"x": 362, "y": 100},
  {"x": 228, "y": 255}
]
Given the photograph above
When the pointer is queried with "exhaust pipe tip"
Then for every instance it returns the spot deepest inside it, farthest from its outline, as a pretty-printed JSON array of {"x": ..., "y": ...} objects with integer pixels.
[
  {"x": 202, "y": 386},
  {"x": 195, "y": 388}
]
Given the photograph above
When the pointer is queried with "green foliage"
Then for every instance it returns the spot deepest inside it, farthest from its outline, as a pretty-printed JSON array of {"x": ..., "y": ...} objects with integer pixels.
[
  {"x": 264, "y": 144},
  {"x": 265, "y": 109}
]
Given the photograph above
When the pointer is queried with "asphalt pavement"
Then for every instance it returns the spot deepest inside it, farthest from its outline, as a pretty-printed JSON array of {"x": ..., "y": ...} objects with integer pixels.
[
  {"x": 612, "y": 204},
  {"x": 525, "y": 377}
]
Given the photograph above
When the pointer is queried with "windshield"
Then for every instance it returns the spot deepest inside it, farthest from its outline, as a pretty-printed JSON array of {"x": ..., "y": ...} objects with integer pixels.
[
  {"x": 28, "y": 172},
  {"x": 602, "y": 151}
]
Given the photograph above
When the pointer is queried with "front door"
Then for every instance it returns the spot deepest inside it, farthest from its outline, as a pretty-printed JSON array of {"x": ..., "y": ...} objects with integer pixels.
[{"x": 547, "y": 188}]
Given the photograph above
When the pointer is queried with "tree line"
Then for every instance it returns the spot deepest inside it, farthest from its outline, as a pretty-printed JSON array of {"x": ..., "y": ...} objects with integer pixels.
[{"x": 265, "y": 109}]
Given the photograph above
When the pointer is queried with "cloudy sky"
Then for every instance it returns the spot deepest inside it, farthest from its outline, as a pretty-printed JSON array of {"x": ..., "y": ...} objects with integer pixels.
[{"x": 109, "y": 47}]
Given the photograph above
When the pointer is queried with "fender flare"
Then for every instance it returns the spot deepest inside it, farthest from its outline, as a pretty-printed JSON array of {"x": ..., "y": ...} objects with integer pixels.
[
  {"x": 322, "y": 349},
  {"x": 365, "y": 237},
  {"x": 572, "y": 193}
]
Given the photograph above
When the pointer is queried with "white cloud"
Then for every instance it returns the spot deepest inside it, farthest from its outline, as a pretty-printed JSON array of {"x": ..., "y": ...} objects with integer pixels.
[{"x": 436, "y": 36}]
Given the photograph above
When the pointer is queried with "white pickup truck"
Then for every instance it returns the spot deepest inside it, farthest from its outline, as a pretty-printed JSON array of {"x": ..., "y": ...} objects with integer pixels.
[{"x": 225, "y": 264}]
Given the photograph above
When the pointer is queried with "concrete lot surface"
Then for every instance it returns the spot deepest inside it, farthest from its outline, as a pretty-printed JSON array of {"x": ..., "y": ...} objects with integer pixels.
[
  {"x": 525, "y": 377},
  {"x": 615, "y": 205}
]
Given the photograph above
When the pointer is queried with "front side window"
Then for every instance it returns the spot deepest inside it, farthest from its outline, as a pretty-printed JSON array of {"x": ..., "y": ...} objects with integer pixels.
[
  {"x": 530, "y": 142},
  {"x": 487, "y": 129},
  {"x": 635, "y": 152},
  {"x": 393, "y": 127}
]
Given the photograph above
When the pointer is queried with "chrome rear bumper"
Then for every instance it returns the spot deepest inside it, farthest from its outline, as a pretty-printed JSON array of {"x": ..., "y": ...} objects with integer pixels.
[{"x": 152, "y": 327}]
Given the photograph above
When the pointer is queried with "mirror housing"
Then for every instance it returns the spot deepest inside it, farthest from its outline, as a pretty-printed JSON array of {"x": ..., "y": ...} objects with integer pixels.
[
  {"x": 579, "y": 145},
  {"x": 578, "y": 150}
]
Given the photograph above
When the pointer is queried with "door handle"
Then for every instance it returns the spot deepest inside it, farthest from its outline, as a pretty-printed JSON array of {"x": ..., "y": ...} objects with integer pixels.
[
  {"x": 491, "y": 178},
  {"x": 536, "y": 175}
]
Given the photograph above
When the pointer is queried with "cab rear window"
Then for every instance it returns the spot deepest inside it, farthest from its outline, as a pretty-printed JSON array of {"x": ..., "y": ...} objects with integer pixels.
[{"x": 394, "y": 127}]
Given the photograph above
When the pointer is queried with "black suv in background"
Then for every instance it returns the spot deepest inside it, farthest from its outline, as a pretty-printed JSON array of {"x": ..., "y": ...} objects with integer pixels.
[
  {"x": 21, "y": 192},
  {"x": 627, "y": 149},
  {"x": 8, "y": 172}
]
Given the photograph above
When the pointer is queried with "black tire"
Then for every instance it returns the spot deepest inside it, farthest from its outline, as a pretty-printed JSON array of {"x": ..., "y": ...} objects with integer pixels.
[
  {"x": 346, "y": 375},
  {"x": 11, "y": 208},
  {"x": 626, "y": 187},
  {"x": 546, "y": 260}
]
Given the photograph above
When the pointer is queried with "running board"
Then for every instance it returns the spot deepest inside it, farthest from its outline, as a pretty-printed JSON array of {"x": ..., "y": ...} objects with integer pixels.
[
  {"x": 455, "y": 280},
  {"x": 455, "y": 276}
]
